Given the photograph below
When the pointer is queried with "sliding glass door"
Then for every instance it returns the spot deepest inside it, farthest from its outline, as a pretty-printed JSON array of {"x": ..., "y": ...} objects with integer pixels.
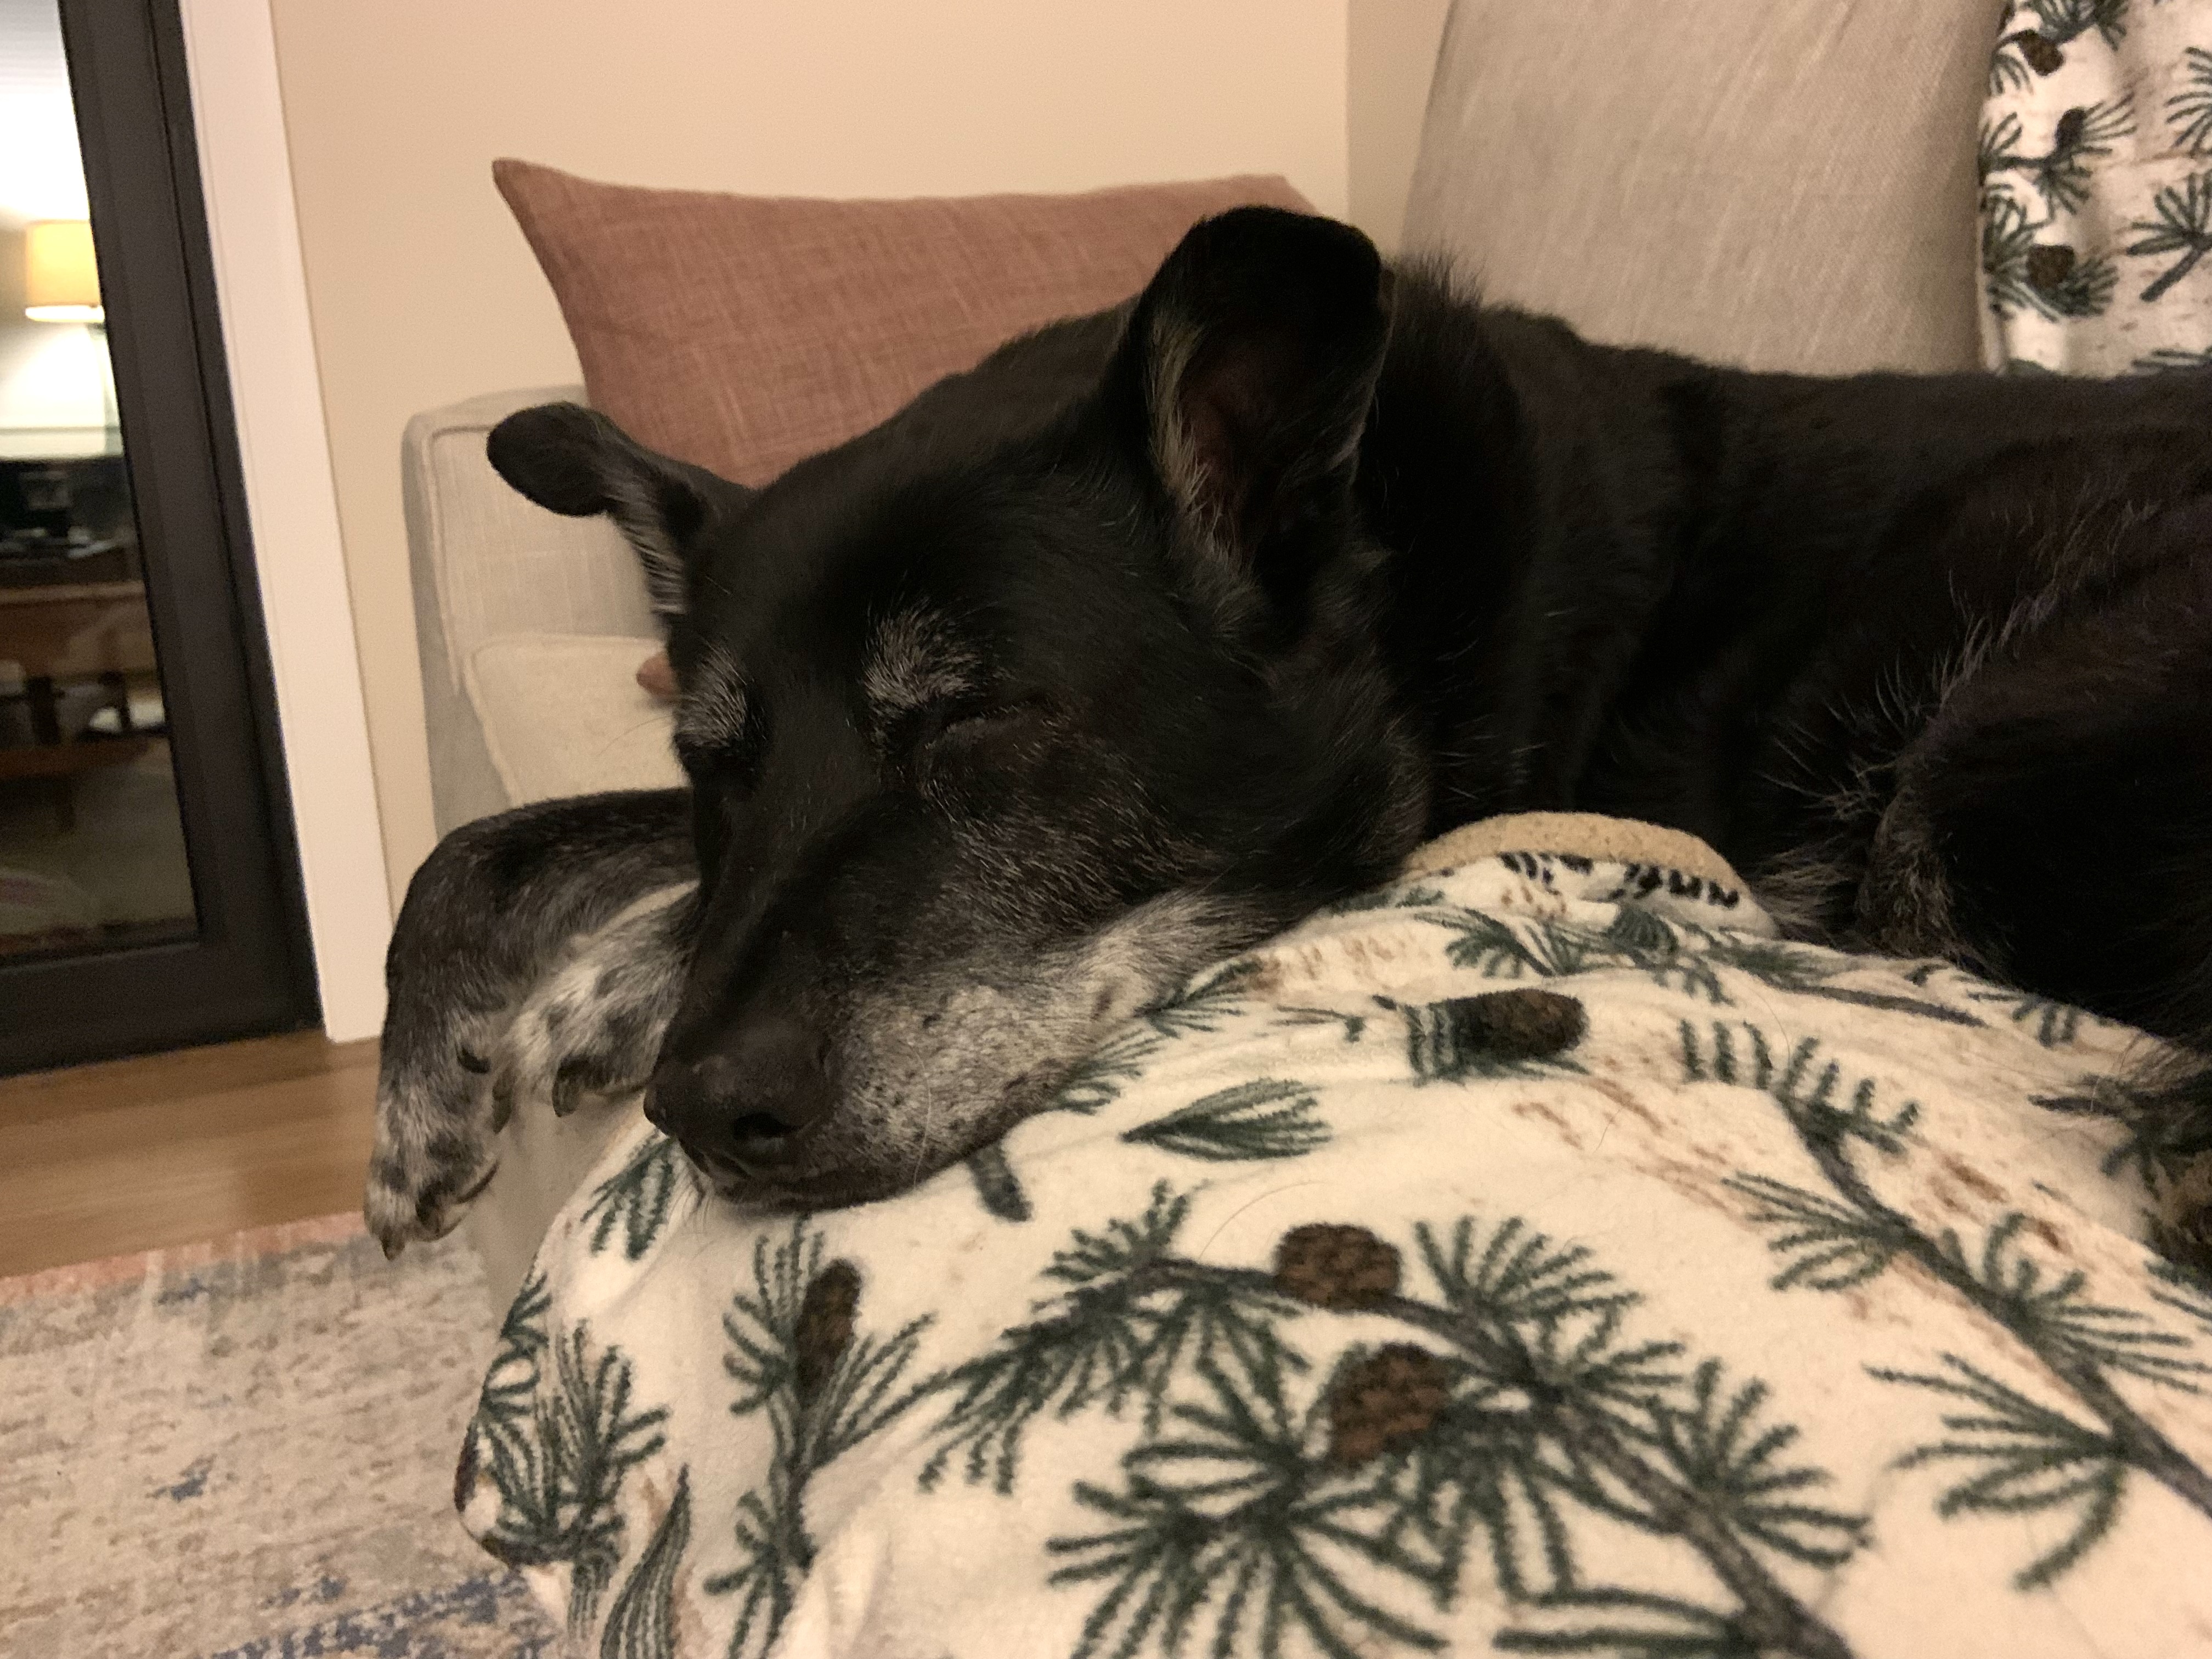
[{"x": 148, "y": 884}]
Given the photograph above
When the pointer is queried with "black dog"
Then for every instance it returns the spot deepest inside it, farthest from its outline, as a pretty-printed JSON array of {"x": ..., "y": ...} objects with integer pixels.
[{"x": 1162, "y": 629}]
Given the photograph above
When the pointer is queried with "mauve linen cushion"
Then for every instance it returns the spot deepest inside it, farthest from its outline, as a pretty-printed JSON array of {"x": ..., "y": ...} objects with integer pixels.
[{"x": 743, "y": 333}]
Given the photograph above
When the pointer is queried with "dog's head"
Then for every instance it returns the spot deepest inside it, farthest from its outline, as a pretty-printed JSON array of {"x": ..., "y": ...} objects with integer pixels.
[{"x": 1003, "y": 718}]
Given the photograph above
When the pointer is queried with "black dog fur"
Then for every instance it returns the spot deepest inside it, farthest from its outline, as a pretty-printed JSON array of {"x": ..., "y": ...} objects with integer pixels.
[{"x": 1161, "y": 628}]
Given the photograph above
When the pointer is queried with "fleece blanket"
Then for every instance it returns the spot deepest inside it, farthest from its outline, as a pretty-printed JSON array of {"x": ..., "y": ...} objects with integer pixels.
[
  {"x": 2095, "y": 163},
  {"x": 1538, "y": 1255}
]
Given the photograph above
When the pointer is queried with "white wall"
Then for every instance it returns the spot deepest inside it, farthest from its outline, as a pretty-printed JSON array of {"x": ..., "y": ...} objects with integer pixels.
[
  {"x": 51, "y": 388},
  {"x": 1392, "y": 53},
  {"x": 422, "y": 291}
]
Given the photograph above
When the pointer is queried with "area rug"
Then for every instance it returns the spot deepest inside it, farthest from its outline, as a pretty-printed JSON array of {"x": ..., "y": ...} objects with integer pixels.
[{"x": 244, "y": 1450}]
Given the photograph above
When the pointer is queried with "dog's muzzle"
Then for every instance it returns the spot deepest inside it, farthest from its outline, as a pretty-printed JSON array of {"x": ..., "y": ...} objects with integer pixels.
[{"x": 746, "y": 1104}]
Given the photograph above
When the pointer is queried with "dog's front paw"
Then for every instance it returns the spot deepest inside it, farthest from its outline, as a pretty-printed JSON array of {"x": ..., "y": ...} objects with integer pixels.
[
  {"x": 592, "y": 1029},
  {"x": 434, "y": 1152}
]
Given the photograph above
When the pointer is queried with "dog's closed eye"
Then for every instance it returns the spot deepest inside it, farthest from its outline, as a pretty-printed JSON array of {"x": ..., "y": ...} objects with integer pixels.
[
  {"x": 720, "y": 725},
  {"x": 966, "y": 714},
  {"x": 960, "y": 733}
]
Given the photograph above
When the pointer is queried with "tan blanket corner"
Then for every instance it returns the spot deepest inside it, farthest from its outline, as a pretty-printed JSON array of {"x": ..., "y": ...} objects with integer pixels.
[{"x": 1580, "y": 835}]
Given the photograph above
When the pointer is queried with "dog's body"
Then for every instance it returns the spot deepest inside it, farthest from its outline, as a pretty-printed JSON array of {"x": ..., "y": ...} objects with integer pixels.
[{"x": 1162, "y": 629}]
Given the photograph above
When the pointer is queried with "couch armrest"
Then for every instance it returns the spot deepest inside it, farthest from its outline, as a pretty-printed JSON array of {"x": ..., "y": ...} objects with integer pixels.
[{"x": 486, "y": 564}]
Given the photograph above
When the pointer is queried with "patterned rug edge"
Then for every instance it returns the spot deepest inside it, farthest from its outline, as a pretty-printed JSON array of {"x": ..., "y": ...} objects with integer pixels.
[{"x": 78, "y": 1278}]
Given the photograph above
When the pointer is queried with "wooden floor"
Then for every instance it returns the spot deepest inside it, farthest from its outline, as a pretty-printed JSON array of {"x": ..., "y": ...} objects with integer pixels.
[{"x": 140, "y": 1154}]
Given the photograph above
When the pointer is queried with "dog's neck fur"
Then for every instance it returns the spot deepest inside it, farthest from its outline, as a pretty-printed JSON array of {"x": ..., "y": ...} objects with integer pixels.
[
  {"x": 1514, "y": 678},
  {"x": 1609, "y": 573}
]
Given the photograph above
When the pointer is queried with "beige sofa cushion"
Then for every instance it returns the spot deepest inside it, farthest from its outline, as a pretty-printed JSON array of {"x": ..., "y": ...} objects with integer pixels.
[
  {"x": 486, "y": 564},
  {"x": 563, "y": 715},
  {"x": 1784, "y": 183},
  {"x": 746, "y": 332}
]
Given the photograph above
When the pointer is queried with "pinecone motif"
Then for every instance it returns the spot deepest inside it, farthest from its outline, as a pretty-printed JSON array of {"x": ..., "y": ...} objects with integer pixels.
[
  {"x": 1343, "y": 1269},
  {"x": 1523, "y": 1025},
  {"x": 2070, "y": 128},
  {"x": 824, "y": 1330},
  {"x": 2042, "y": 54},
  {"x": 2049, "y": 265},
  {"x": 1385, "y": 1402}
]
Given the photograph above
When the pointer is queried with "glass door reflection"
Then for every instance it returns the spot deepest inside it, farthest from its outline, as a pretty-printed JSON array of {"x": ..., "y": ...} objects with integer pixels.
[{"x": 92, "y": 846}]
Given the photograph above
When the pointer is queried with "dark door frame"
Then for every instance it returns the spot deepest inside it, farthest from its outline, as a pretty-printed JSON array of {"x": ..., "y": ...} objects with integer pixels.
[{"x": 249, "y": 968}]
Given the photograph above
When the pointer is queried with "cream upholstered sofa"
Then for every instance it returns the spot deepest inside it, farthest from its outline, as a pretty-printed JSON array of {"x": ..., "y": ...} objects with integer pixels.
[{"x": 1785, "y": 184}]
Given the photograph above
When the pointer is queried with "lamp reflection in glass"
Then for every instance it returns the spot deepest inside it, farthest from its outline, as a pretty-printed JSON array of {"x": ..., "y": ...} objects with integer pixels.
[
  {"x": 61, "y": 276},
  {"x": 61, "y": 285}
]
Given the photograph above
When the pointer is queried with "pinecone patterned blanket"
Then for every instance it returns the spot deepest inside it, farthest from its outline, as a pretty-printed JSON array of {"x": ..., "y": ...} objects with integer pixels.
[
  {"x": 1536, "y": 1255},
  {"x": 2095, "y": 161}
]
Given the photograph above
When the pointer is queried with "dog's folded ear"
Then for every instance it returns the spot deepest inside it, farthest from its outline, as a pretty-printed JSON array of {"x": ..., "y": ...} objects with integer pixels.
[
  {"x": 1250, "y": 363},
  {"x": 576, "y": 462}
]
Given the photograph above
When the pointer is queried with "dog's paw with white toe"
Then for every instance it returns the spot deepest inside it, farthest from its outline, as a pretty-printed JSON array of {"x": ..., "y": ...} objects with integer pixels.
[
  {"x": 456, "y": 1063},
  {"x": 434, "y": 1153}
]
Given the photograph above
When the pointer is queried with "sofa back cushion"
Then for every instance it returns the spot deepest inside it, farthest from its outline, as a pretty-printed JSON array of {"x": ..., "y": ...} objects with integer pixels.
[{"x": 1784, "y": 183}]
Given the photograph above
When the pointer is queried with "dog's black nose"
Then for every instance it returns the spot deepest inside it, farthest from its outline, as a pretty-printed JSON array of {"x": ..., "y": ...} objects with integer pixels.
[{"x": 745, "y": 1101}]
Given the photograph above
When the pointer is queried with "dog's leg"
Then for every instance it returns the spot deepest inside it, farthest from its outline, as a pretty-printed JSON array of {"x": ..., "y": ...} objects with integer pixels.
[
  {"x": 496, "y": 906},
  {"x": 2053, "y": 828}
]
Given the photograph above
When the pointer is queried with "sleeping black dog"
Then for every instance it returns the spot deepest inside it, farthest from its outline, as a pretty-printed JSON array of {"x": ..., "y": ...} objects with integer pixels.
[{"x": 1163, "y": 628}]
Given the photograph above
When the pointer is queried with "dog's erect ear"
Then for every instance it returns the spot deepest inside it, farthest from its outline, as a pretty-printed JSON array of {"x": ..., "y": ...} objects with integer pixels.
[
  {"x": 576, "y": 462},
  {"x": 1251, "y": 360}
]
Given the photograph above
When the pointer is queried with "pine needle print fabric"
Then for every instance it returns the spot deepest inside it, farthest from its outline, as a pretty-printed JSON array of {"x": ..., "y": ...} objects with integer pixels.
[
  {"x": 2095, "y": 162},
  {"x": 1540, "y": 1256}
]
